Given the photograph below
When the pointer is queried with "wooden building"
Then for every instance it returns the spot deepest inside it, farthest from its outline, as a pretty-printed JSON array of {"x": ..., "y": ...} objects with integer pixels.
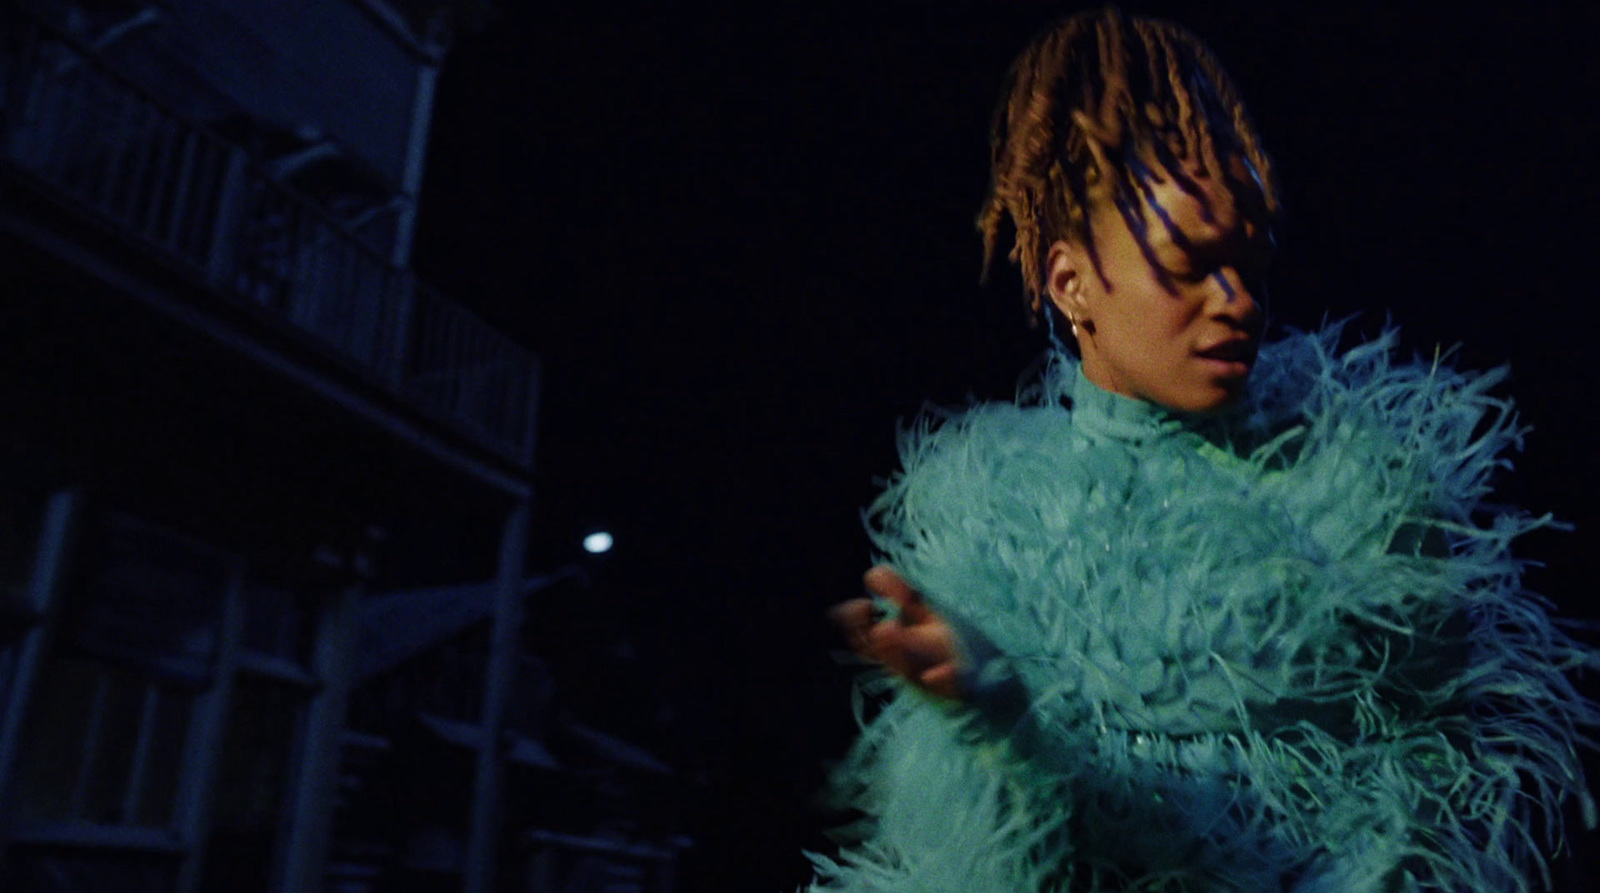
[{"x": 264, "y": 496}]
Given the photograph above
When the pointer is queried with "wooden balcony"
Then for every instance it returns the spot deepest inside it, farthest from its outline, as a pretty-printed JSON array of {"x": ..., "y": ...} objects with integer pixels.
[{"x": 97, "y": 146}]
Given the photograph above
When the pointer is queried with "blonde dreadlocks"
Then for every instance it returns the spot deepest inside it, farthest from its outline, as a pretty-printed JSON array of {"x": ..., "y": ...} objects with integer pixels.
[{"x": 1086, "y": 106}]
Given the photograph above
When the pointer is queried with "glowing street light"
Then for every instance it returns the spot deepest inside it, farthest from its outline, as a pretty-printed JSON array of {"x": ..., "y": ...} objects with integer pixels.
[{"x": 597, "y": 542}]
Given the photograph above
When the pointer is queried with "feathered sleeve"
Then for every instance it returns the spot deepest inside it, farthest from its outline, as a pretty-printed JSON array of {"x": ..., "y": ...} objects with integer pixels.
[{"x": 1291, "y": 646}]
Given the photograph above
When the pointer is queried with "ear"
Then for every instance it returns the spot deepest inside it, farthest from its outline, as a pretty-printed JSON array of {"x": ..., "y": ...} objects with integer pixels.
[{"x": 1067, "y": 270}]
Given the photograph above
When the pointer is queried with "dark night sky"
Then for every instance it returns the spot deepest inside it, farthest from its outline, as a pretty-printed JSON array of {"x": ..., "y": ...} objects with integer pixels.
[{"x": 741, "y": 241}]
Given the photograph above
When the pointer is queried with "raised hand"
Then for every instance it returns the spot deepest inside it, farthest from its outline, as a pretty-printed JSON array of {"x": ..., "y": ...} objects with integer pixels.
[{"x": 916, "y": 644}]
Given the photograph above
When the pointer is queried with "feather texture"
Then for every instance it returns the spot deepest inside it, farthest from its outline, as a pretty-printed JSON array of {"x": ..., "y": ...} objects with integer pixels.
[{"x": 1286, "y": 648}]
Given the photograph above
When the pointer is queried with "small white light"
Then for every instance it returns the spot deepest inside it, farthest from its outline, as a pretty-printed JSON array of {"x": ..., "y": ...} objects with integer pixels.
[{"x": 597, "y": 542}]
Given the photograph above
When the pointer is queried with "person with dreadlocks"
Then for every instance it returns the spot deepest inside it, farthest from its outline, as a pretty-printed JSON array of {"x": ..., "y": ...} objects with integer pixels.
[{"x": 1198, "y": 612}]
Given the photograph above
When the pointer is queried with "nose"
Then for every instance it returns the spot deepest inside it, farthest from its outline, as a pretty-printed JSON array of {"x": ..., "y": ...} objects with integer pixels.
[{"x": 1234, "y": 301}]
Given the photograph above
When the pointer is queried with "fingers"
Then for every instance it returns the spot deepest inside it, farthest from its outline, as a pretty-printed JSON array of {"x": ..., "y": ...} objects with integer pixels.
[
  {"x": 912, "y": 652},
  {"x": 883, "y": 582},
  {"x": 942, "y": 680},
  {"x": 918, "y": 645},
  {"x": 854, "y": 618},
  {"x": 853, "y": 614}
]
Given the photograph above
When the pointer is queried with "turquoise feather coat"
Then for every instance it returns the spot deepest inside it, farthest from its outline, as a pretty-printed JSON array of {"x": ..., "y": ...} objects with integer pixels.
[{"x": 1286, "y": 648}]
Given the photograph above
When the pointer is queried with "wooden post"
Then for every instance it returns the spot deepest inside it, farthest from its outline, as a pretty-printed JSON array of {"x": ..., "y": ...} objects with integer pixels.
[
  {"x": 317, "y": 778},
  {"x": 55, "y": 537},
  {"x": 504, "y": 646},
  {"x": 203, "y": 749},
  {"x": 422, "y": 98}
]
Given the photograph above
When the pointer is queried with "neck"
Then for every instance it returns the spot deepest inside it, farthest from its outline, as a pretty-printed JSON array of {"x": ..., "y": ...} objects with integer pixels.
[{"x": 1099, "y": 372}]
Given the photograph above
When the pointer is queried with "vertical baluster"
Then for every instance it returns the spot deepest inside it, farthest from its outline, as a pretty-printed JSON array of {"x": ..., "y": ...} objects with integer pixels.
[
  {"x": 372, "y": 280},
  {"x": 71, "y": 133},
  {"x": 428, "y": 368},
  {"x": 253, "y": 242},
  {"x": 27, "y": 125},
  {"x": 163, "y": 185},
  {"x": 259, "y": 242},
  {"x": 179, "y": 211},
  {"x": 281, "y": 224},
  {"x": 224, "y": 231},
  {"x": 93, "y": 741},
  {"x": 141, "y": 753},
  {"x": 343, "y": 299},
  {"x": 308, "y": 231},
  {"x": 344, "y": 296},
  {"x": 279, "y": 227},
  {"x": 62, "y": 109},
  {"x": 391, "y": 305},
  {"x": 303, "y": 266},
  {"x": 307, "y": 264},
  {"x": 288, "y": 299},
  {"x": 371, "y": 284},
  {"x": 111, "y": 141},
  {"x": 332, "y": 259},
  {"x": 133, "y": 165},
  {"x": 203, "y": 198},
  {"x": 355, "y": 294},
  {"x": 308, "y": 255},
  {"x": 401, "y": 352},
  {"x": 427, "y": 335},
  {"x": 40, "y": 114}
]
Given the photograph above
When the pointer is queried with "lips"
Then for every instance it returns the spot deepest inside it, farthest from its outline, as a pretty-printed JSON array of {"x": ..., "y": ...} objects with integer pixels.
[{"x": 1234, "y": 350}]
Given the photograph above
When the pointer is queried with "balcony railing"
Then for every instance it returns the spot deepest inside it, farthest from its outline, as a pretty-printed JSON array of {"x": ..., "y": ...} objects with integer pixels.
[{"x": 98, "y": 142}]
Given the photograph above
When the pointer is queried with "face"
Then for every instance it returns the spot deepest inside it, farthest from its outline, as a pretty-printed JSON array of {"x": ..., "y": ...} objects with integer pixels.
[{"x": 1171, "y": 315}]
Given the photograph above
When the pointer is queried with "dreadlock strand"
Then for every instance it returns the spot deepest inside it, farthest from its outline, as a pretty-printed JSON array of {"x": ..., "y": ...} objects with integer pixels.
[
  {"x": 1187, "y": 128},
  {"x": 1026, "y": 168},
  {"x": 1108, "y": 72},
  {"x": 1081, "y": 107},
  {"x": 1155, "y": 115},
  {"x": 1209, "y": 158},
  {"x": 1249, "y": 140},
  {"x": 995, "y": 207}
]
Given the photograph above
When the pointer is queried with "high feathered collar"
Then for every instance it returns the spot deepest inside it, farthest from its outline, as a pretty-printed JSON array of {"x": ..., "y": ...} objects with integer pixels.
[{"x": 1102, "y": 413}]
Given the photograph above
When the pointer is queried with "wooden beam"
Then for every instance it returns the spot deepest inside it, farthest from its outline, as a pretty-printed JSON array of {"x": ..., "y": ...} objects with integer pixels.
[
  {"x": 207, "y": 727},
  {"x": 317, "y": 776},
  {"x": 56, "y": 532},
  {"x": 504, "y": 646}
]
